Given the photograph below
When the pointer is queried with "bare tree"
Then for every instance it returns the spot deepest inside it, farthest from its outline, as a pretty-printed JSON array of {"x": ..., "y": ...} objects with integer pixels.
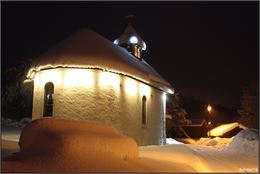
[
  {"x": 16, "y": 97},
  {"x": 178, "y": 116}
]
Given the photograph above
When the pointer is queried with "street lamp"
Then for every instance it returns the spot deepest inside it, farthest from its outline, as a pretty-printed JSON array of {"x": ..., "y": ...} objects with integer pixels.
[{"x": 209, "y": 108}]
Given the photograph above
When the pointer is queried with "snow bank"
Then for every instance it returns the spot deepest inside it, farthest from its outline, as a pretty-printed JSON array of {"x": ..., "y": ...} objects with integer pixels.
[
  {"x": 245, "y": 143},
  {"x": 74, "y": 139},
  {"x": 7, "y": 122},
  {"x": 165, "y": 158},
  {"x": 51, "y": 145}
]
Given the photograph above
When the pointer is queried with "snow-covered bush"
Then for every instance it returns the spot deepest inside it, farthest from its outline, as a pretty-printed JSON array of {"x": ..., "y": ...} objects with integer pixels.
[
  {"x": 245, "y": 143},
  {"x": 69, "y": 139}
]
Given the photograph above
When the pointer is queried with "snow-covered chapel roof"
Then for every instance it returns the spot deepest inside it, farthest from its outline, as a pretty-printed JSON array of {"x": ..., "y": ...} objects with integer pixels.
[{"x": 87, "y": 49}]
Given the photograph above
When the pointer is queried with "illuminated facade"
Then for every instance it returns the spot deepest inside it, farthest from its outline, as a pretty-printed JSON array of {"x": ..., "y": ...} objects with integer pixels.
[{"x": 87, "y": 77}]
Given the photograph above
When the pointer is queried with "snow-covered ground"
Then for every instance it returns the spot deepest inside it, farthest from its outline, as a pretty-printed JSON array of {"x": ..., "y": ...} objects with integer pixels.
[
  {"x": 11, "y": 129},
  {"x": 237, "y": 154}
]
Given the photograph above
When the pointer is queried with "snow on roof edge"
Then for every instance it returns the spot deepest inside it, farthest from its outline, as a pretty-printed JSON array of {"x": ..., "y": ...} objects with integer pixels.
[
  {"x": 82, "y": 48},
  {"x": 224, "y": 128},
  {"x": 157, "y": 85}
]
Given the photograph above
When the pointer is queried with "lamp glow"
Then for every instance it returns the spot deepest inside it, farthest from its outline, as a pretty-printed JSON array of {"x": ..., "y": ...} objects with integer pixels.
[
  {"x": 130, "y": 86},
  {"x": 164, "y": 97},
  {"x": 78, "y": 77},
  {"x": 109, "y": 79},
  {"x": 116, "y": 41},
  {"x": 144, "y": 90},
  {"x": 170, "y": 91},
  {"x": 53, "y": 76},
  {"x": 31, "y": 74},
  {"x": 133, "y": 40},
  {"x": 209, "y": 108}
]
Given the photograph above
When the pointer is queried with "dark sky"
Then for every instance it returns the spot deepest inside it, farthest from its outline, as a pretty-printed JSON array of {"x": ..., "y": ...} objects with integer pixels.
[{"x": 208, "y": 50}]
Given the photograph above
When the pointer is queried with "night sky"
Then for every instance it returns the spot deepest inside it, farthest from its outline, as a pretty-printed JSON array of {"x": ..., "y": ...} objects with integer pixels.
[{"x": 208, "y": 50}]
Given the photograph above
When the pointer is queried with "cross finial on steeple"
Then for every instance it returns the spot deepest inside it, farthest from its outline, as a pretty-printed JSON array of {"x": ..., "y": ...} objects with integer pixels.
[{"x": 129, "y": 18}]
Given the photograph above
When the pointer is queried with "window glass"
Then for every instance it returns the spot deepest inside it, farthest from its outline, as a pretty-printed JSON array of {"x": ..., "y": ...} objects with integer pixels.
[
  {"x": 48, "y": 99},
  {"x": 144, "y": 113}
]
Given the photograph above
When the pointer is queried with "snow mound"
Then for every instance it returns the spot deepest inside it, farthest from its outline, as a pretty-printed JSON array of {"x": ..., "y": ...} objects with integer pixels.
[
  {"x": 245, "y": 143},
  {"x": 68, "y": 139}
]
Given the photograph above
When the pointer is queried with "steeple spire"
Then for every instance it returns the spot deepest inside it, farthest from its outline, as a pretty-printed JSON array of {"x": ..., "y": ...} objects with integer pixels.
[
  {"x": 130, "y": 40},
  {"x": 129, "y": 18}
]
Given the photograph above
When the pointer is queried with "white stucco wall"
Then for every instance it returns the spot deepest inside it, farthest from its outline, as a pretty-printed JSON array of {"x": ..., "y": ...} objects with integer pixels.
[{"x": 94, "y": 95}]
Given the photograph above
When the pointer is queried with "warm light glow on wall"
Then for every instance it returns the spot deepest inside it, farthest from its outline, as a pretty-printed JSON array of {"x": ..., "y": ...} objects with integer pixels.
[
  {"x": 130, "y": 86},
  {"x": 144, "y": 90},
  {"x": 31, "y": 74},
  {"x": 109, "y": 79},
  {"x": 78, "y": 77},
  {"x": 54, "y": 76},
  {"x": 170, "y": 91},
  {"x": 37, "y": 79},
  {"x": 164, "y": 97}
]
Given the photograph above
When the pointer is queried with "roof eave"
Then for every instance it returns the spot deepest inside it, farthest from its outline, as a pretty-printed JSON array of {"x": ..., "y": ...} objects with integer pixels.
[{"x": 152, "y": 83}]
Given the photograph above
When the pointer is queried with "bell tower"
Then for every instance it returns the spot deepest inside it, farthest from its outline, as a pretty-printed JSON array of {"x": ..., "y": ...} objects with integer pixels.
[{"x": 130, "y": 40}]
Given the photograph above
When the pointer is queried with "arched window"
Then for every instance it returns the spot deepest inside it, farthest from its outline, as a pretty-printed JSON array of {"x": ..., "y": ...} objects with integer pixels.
[
  {"x": 48, "y": 99},
  {"x": 144, "y": 114}
]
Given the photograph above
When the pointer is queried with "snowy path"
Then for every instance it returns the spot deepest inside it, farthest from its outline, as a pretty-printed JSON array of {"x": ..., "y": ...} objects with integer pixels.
[
  {"x": 221, "y": 161},
  {"x": 215, "y": 161},
  {"x": 178, "y": 154},
  {"x": 201, "y": 158},
  {"x": 11, "y": 133}
]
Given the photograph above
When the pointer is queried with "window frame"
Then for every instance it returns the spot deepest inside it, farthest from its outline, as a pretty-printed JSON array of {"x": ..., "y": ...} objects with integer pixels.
[
  {"x": 144, "y": 111},
  {"x": 48, "y": 103}
]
